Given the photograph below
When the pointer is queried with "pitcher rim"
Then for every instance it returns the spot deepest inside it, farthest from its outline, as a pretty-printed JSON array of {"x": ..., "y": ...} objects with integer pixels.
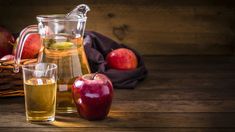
[{"x": 57, "y": 17}]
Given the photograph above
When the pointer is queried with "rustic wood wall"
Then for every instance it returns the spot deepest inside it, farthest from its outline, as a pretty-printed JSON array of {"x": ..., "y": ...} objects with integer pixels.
[{"x": 153, "y": 27}]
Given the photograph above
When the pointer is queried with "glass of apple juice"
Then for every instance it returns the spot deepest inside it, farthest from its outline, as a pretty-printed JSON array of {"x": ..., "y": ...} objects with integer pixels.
[{"x": 40, "y": 86}]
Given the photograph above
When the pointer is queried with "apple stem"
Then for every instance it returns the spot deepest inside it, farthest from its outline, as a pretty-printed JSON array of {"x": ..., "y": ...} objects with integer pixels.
[{"x": 94, "y": 75}]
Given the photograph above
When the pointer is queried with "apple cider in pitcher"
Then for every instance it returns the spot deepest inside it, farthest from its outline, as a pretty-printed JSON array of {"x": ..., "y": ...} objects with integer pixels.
[
  {"x": 68, "y": 53},
  {"x": 62, "y": 36}
]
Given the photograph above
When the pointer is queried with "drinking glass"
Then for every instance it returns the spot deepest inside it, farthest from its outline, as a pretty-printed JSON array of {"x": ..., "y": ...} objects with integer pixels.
[{"x": 40, "y": 91}]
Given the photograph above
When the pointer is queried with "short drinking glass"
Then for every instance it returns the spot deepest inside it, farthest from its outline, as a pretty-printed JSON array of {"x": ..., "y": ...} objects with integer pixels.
[{"x": 40, "y": 91}]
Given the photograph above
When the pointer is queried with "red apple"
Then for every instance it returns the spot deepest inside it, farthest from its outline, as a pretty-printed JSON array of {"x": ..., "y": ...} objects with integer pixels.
[
  {"x": 6, "y": 41},
  {"x": 122, "y": 59},
  {"x": 31, "y": 48},
  {"x": 92, "y": 94}
]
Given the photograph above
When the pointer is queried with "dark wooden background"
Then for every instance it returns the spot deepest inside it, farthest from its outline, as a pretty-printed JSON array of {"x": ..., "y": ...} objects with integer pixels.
[
  {"x": 181, "y": 93},
  {"x": 153, "y": 27}
]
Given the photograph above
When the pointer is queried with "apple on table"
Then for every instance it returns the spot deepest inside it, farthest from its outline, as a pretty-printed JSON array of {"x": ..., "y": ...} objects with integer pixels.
[{"x": 92, "y": 94}]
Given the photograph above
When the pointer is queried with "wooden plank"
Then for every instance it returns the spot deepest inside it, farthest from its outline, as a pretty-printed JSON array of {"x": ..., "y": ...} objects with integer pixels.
[
  {"x": 182, "y": 94},
  {"x": 170, "y": 80},
  {"x": 192, "y": 31},
  {"x": 189, "y": 72},
  {"x": 193, "y": 23},
  {"x": 193, "y": 67},
  {"x": 124, "y": 2},
  {"x": 192, "y": 28},
  {"x": 168, "y": 100},
  {"x": 121, "y": 16},
  {"x": 197, "y": 74},
  {"x": 163, "y": 106},
  {"x": 210, "y": 63},
  {"x": 80, "y": 129},
  {"x": 176, "y": 94},
  {"x": 190, "y": 59},
  {"x": 123, "y": 129},
  {"x": 185, "y": 83},
  {"x": 129, "y": 119}
]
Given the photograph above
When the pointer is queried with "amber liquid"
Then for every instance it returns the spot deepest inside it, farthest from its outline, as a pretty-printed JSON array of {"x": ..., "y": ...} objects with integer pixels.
[
  {"x": 40, "y": 99},
  {"x": 68, "y": 53}
]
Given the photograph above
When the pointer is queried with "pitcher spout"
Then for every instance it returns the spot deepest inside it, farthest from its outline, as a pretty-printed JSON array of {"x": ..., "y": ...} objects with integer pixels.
[{"x": 79, "y": 12}]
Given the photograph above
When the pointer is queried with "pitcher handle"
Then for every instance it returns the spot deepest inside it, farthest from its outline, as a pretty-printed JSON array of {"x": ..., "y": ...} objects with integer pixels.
[{"x": 24, "y": 34}]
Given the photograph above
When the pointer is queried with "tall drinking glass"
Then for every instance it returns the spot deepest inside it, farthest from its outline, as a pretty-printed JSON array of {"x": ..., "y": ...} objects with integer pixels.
[{"x": 40, "y": 91}]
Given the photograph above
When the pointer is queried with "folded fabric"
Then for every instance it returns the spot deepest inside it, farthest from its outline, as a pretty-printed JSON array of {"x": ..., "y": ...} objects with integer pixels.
[{"x": 97, "y": 46}]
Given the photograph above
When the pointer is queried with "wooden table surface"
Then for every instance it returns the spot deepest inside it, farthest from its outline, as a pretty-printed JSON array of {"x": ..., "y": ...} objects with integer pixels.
[{"x": 181, "y": 93}]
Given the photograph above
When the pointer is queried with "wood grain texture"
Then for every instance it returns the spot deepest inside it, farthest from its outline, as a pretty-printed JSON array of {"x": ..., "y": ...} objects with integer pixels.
[
  {"x": 178, "y": 95},
  {"x": 119, "y": 129},
  {"x": 129, "y": 120},
  {"x": 153, "y": 27}
]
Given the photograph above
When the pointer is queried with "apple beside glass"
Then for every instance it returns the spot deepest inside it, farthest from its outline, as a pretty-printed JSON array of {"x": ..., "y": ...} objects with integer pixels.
[{"x": 92, "y": 94}]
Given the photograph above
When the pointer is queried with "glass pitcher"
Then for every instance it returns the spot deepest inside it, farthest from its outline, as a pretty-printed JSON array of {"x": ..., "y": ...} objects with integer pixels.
[{"x": 62, "y": 38}]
